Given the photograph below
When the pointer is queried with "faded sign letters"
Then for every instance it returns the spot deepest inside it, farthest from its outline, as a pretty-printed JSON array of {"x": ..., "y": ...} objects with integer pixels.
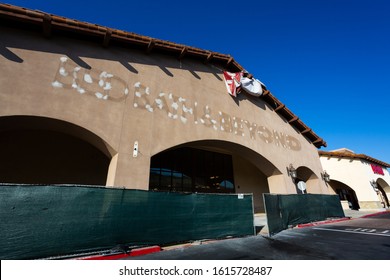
[
  {"x": 177, "y": 107},
  {"x": 99, "y": 84},
  {"x": 105, "y": 86}
]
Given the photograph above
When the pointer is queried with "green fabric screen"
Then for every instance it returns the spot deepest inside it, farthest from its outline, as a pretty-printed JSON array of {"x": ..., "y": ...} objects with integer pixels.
[
  {"x": 40, "y": 221},
  {"x": 293, "y": 209}
]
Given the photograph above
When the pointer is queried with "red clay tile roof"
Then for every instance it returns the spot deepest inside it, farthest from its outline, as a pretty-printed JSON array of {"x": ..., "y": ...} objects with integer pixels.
[
  {"x": 346, "y": 154},
  {"x": 48, "y": 24}
]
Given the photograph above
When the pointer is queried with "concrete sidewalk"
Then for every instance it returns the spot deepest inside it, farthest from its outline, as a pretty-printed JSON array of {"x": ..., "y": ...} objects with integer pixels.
[
  {"x": 260, "y": 219},
  {"x": 360, "y": 213}
]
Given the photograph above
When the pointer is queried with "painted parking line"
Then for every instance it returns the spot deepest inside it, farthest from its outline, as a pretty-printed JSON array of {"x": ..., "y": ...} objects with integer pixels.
[{"x": 359, "y": 231}]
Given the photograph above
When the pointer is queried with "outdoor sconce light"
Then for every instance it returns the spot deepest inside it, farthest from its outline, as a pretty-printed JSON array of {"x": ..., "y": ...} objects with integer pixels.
[
  {"x": 292, "y": 171},
  {"x": 325, "y": 176},
  {"x": 374, "y": 185},
  {"x": 135, "y": 149}
]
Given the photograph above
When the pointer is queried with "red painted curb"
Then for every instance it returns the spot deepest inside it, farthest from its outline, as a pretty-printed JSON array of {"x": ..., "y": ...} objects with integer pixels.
[
  {"x": 375, "y": 214},
  {"x": 144, "y": 251},
  {"x": 322, "y": 222},
  {"x": 340, "y": 220},
  {"x": 104, "y": 257},
  {"x": 132, "y": 253}
]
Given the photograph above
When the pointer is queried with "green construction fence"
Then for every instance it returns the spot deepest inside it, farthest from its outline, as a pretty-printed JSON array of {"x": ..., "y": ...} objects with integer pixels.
[
  {"x": 45, "y": 221},
  {"x": 284, "y": 210}
]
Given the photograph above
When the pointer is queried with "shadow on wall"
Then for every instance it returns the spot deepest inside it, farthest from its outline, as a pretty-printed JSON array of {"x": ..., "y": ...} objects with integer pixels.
[
  {"x": 77, "y": 50},
  {"x": 34, "y": 153},
  {"x": 8, "y": 54}
]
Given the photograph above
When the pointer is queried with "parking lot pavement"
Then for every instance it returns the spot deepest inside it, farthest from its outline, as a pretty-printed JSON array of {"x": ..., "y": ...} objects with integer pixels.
[
  {"x": 340, "y": 240},
  {"x": 363, "y": 238}
]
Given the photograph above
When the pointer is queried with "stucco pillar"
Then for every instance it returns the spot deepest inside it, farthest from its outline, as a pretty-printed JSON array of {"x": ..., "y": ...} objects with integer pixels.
[
  {"x": 112, "y": 171},
  {"x": 129, "y": 172},
  {"x": 279, "y": 184}
]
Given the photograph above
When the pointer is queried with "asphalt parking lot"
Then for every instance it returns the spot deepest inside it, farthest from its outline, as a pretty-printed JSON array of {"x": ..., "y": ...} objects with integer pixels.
[{"x": 360, "y": 238}]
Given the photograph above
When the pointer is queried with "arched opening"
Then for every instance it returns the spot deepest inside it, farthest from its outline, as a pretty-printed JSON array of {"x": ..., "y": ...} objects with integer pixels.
[
  {"x": 212, "y": 167},
  {"x": 38, "y": 150},
  {"x": 187, "y": 169},
  {"x": 346, "y": 194},
  {"x": 383, "y": 189},
  {"x": 305, "y": 181}
]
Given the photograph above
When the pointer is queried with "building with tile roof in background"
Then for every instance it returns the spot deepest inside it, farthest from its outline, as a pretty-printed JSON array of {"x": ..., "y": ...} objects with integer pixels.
[{"x": 362, "y": 182}]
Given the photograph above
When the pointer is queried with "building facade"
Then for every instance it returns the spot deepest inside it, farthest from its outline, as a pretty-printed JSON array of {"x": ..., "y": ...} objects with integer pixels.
[
  {"x": 86, "y": 104},
  {"x": 362, "y": 182}
]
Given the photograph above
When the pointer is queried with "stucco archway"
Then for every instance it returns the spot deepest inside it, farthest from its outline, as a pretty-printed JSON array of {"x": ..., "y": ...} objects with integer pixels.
[
  {"x": 310, "y": 179},
  {"x": 40, "y": 150},
  {"x": 212, "y": 166},
  {"x": 346, "y": 194},
  {"x": 384, "y": 191}
]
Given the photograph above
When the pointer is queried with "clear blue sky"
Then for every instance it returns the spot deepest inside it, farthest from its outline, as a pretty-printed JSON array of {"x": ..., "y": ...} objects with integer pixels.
[{"x": 327, "y": 60}]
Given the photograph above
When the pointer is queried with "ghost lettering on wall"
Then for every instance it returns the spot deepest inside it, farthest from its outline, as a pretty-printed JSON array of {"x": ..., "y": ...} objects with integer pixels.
[{"x": 108, "y": 87}]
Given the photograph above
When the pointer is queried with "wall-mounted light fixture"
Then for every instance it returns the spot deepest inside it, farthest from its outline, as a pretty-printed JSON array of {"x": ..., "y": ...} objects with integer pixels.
[
  {"x": 292, "y": 172},
  {"x": 135, "y": 149},
  {"x": 325, "y": 176},
  {"x": 374, "y": 185}
]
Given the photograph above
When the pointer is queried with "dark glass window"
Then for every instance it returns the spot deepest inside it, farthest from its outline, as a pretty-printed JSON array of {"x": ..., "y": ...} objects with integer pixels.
[{"x": 192, "y": 170}]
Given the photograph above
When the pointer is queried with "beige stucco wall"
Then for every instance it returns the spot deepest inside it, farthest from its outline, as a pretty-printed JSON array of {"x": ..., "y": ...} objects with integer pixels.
[
  {"x": 357, "y": 174},
  {"x": 124, "y": 96},
  {"x": 249, "y": 179}
]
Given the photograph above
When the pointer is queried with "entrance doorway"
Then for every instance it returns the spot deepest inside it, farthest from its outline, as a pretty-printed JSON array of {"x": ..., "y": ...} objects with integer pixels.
[
  {"x": 345, "y": 193},
  {"x": 189, "y": 169},
  {"x": 213, "y": 166}
]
